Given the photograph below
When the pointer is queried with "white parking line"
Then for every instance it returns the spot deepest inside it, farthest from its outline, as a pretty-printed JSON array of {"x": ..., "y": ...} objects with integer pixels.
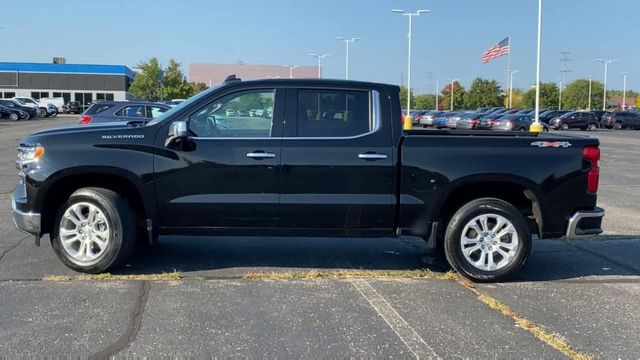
[{"x": 416, "y": 344}]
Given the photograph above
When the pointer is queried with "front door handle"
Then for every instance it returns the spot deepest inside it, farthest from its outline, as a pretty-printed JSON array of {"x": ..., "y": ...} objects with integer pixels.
[
  {"x": 372, "y": 156},
  {"x": 260, "y": 155}
]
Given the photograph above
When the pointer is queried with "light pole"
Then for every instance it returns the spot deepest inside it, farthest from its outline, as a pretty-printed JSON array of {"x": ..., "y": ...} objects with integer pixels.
[
  {"x": 513, "y": 72},
  {"x": 437, "y": 90},
  {"x": 320, "y": 57},
  {"x": 589, "y": 102},
  {"x": 606, "y": 63},
  {"x": 536, "y": 127},
  {"x": 560, "y": 96},
  {"x": 452, "y": 88},
  {"x": 410, "y": 15},
  {"x": 291, "y": 68},
  {"x": 347, "y": 41},
  {"x": 624, "y": 91}
]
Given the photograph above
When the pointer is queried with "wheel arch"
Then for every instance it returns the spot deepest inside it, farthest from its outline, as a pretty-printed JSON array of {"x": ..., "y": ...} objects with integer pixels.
[{"x": 54, "y": 192}]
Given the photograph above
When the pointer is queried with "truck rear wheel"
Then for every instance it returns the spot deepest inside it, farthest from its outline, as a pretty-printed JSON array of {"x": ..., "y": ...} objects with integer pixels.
[
  {"x": 94, "y": 231},
  {"x": 487, "y": 240}
]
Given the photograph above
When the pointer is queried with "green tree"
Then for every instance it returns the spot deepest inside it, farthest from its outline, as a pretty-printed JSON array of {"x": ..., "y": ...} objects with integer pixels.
[
  {"x": 576, "y": 95},
  {"x": 549, "y": 96},
  {"x": 174, "y": 84},
  {"x": 403, "y": 98},
  {"x": 458, "y": 97},
  {"x": 146, "y": 84},
  {"x": 424, "y": 101},
  {"x": 483, "y": 92}
]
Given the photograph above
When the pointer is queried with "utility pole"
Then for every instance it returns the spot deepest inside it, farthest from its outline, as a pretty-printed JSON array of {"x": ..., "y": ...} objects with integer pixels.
[
  {"x": 624, "y": 91},
  {"x": 513, "y": 72},
  {"x": 560, "y": 96},
  {"x": 320, "y": 57},
  {"x": 536, "y": 126},
  {"x": 564, "y": 59},
  {"x": 589, "y": 106},
  {"x": 437, "y": 91},
  {"x": 347, "y": 41}
]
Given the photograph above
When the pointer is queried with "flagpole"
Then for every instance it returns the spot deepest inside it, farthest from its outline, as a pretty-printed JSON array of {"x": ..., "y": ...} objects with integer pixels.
[{"x": 509, "y": 70}]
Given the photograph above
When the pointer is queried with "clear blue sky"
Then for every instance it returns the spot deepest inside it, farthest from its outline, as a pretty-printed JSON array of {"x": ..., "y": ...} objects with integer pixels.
[{"x": 448, "y": 42}]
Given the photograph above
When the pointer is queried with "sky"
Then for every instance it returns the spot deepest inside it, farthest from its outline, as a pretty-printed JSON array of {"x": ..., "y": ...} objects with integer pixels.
[{"x": 447, "y": 43}]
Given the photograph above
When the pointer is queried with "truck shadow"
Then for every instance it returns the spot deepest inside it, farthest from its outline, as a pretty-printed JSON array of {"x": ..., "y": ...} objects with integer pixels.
[{"x": 229, "y": 257}]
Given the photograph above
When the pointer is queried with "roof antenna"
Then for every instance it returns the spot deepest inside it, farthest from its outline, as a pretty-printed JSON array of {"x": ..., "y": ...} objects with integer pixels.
[{"x": 231, "y": 78}]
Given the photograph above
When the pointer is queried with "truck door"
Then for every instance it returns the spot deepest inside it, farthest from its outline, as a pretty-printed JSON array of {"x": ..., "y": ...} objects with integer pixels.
[
  {"x": 227, "y": 174},
  {"x": 337, "y": 163}
]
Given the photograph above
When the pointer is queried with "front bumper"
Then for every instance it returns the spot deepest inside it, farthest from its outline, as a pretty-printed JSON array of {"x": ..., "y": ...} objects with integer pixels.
[
  {"x": 27, "y": 222},
  {"x": 585, "y": 223}
]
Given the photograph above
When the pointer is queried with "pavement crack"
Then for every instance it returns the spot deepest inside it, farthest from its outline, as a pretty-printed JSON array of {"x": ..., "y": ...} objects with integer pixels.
[
  {"x": 132, "y": 329},
  {"x": 5, "y": 252}
]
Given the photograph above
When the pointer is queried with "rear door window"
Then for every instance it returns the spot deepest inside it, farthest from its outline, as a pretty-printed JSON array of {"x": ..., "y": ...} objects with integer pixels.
[
  {"x": 134, "y": 111},
  {"x": 97, "y": 108},
  {"x": 333, "y": 113},
  {"x": 155, "y": 111}
]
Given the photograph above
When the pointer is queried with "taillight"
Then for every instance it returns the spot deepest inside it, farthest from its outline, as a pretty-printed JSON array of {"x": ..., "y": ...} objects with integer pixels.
[
  {"x": 85, "y": 119},
  {"x": 473, "y": 122},
  {"x": 592, "y": 154}
]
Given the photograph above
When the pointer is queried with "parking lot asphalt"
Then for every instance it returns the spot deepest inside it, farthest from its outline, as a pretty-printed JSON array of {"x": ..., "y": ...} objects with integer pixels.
[{"x": 581, "y": 293}]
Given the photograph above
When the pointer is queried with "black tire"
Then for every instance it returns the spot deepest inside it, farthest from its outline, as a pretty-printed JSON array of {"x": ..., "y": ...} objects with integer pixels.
[
  {"x": 28, "y": 116},
  {"x": 464, "y": 215},
  {"x": 564, "y": 126},
  {"x": 42, "y": 112},
  {"x": 14, "y": 117},
  {"x": 592, "y": 127},
  {"x": 121, "y": 220},
  {"x": 617, "y": 126}
]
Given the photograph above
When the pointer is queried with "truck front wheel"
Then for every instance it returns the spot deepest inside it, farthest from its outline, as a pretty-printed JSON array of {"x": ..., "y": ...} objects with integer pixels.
[
  {"x": 487, "y": 240},
  {"x": 94, "y": 231}
]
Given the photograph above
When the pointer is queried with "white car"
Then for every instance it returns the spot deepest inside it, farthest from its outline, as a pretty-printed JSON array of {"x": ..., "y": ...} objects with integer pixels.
[
  {"x": 45, "y": 110},
  {"x": 58, "y": 102}
]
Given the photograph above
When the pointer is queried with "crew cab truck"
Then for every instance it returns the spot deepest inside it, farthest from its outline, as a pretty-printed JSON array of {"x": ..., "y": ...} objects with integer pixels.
[{"x": 331, "y": 160}]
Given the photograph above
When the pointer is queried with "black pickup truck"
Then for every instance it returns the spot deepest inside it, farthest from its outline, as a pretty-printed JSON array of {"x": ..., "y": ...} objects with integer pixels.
[{"x": 330, "y": 159}]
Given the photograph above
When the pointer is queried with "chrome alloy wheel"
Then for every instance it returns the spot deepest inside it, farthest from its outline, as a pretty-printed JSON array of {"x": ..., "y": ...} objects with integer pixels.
[
  {"x": 489, "y": 242},
  {"x": 84, "y": 233}
]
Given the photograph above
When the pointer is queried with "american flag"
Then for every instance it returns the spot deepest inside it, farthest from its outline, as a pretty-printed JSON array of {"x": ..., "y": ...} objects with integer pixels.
[{"x": 497, "y": 50}]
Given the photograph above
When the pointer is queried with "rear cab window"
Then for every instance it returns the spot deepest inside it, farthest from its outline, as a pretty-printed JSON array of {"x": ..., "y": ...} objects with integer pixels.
[
  {"x": 97, "y": 108},
  {"x": 333, "y": 113}
]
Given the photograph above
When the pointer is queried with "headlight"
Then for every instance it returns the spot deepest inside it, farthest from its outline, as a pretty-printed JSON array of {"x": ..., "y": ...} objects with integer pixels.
[{"x": 27, "y": 154}]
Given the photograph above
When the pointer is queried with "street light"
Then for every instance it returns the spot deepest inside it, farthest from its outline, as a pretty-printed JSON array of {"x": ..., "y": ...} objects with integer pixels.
[
  {"x": 589, "y": 102},
  {"x": 320, "y": 57},
  {"x": 410, "y": 15},
  {"x": 437, "y": 89},
  {"x": 606, "y": 65},
  {"x": 347, "y": 41},
  {"x": 536, "y": 126},
  {"x": 560, "y": 96},
  {"x": 452, "y": 87},
  {"x": 624, "y": 91},
  {"x": 291, "y": 68},
  {"x": 513, "y": 72}
]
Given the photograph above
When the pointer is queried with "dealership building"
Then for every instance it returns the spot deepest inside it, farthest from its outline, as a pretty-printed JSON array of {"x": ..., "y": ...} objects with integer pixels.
[
  {"x": 73, "y": 82},
  {"x": 212, "y": 74}
]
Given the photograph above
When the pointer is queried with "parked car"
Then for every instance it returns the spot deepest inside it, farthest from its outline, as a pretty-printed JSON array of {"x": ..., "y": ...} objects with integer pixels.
[
  {"x": 12, "y": 114},
  {"x": 45, "y": 105},
  {"x": 17, "y": 105},
  {"x": 546, "y": 116},
  {"x": 515, "y": 122},
  {"x": 524, "y": 111},
  {"x": 108, "y": 111},
  {"x": 417, "y": 115},
  {"x": 486, "y": 121},
  {"x": 620, "y": 120},
  {"x": 454, "y": 120},
  {"x": 584, "y": 120},
  {"x": 74, "y": 107},
  {"x": 598, "y": 114},
  {"x": 469, "y": 121},
  {"x": 442, "y": 120},
  {"x": 480, "y": 196},
  {"x": 58, "y": 102},
  {"x": 429, "y": 117}
]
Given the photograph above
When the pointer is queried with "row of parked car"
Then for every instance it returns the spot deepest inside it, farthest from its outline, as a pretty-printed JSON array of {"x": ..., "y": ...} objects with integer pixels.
[
  {"x": 25, "y": 108},
  {"x": 496, "y": 118}
]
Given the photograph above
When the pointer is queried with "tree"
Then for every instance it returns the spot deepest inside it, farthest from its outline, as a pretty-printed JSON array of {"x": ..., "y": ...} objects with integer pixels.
[
  {"x": 576, "y": 95},
  {"x": 517, "y": 99},
  {"x": 549, "y": 96},
  {"x": 483, "y": 92},
  {"x": 146, "y": 84},
  {"x": 458, "y": 96},
  {"x": 403, "y": 98},
  {"x": 198, "y": 87},
  {"x": 174, "y": 84},
  {"x": 425, "y": 101}
]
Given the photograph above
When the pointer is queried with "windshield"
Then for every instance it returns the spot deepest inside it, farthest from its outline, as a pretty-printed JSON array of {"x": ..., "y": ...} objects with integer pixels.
[{"x": 184, "y": 104}]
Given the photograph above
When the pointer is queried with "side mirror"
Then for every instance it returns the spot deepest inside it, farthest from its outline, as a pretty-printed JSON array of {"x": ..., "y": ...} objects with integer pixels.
[{"x": 177, "y": 130}]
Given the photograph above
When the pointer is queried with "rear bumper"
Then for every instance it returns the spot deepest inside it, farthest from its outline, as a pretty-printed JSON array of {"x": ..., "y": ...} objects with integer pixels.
[
  {"x": 27, "y": 222},
  {"x": 585, "y": 223}
]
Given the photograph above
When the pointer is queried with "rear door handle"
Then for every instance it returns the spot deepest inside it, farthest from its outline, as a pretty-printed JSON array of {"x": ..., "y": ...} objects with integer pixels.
[
  {"x": 260, "y": 155},
  {"x": 372, "y": 156}
]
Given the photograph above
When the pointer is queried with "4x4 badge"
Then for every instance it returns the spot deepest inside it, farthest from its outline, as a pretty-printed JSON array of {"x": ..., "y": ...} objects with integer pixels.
[{"x": 555, "y": 144}]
